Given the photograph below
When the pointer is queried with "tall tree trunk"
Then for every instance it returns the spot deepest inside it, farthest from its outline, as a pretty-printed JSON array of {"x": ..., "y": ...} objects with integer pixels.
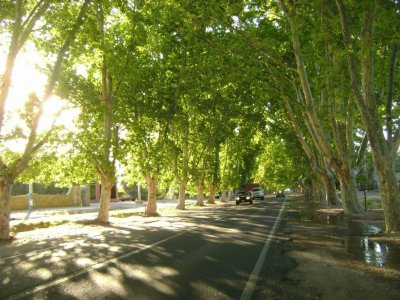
[
  {"x": 313, "y": 191},
  {"x": 5, "y": 196},
  {"x": 105, "y": 166},
  {"x": 211, "y": 197},
  {"x": 348, "y": 191},
  {"x": 223, "y": 195},
  {"x": 151, "y": 207},
  {"x": 105, "y": 199},
  {"x": 200, "y": 193},
  {"x": 348, "y": 194},
  {"x": 182, "y": 195},
  {"x": 185, "y": 167},
  {"x": 330, "y": 189},
  {"x": 325, "y": 175},
  {"x": 390, "y": 198}
]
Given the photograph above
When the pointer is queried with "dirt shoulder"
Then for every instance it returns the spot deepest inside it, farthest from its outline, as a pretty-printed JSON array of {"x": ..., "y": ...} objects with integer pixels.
[{"x": 339, "y": 257}]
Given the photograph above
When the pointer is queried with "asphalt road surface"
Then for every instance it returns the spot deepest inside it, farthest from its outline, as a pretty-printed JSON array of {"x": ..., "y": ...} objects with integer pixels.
[{"x": 224, "y": 253}]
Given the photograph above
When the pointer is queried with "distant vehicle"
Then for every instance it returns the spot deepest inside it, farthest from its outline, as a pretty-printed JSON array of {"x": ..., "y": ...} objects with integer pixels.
[
  {"x": 247, "y": 187},
  {"x": 243, "y": 196},
  {"x": 127, "y": 198},
  {"x": 280, "y": 195},
  {"x": 257, "y": 193}
]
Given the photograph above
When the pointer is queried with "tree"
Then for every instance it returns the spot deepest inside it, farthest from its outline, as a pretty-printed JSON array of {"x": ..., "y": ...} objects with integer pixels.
[
  {"x": 338, "y": 158},
  {"x": 362, "y": 68},
  {"x": 22, "y": 24},
  {"x": 150, "y": 92},
  {"x": 96, "y": 74}
]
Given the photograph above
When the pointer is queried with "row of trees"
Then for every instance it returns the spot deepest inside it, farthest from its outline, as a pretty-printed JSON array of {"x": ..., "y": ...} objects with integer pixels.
[{"x": 203, "y": 93}]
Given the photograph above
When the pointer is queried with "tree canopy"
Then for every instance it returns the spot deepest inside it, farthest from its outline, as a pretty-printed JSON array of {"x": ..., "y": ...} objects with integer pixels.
[{"x": 187, "y": 94}]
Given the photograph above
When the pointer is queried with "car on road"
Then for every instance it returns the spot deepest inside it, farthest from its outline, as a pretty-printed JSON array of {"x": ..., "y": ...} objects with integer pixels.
[
  {"x": 280, "y": 195},
  {"x": 243, "y": 196},
  {"x": 257, "y": 193}
]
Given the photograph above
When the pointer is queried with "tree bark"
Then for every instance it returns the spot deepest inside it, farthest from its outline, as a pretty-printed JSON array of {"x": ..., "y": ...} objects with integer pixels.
[
  {"x": 5, "y": 196},
  {"x": 151, "y": 207},
  {"x": 223, "y": 196},
  {"x": 307, "y": 190},
  {"x": 211, "y": 197},
  {"x": 328, "y": 181},
  {"x": 185, "y": 167},
  {"x": 348, "y": 194},
  {"x": 105, "y": 199},
  {"x": 182, "y": 195},
  {"x": 312, "y": 192},
  {"x": 200, "y": 193}
]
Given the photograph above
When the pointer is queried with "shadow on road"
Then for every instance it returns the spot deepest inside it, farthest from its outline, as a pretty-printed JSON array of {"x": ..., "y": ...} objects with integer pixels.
[{"x": 192, "y": 256}]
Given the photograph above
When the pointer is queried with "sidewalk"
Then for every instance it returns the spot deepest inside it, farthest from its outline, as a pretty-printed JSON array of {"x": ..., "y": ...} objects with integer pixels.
[{"x": 82, "y": 213}]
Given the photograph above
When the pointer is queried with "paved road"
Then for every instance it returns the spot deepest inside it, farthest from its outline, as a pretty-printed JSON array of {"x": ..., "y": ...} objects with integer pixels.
[{"x": 220, "y": 254}]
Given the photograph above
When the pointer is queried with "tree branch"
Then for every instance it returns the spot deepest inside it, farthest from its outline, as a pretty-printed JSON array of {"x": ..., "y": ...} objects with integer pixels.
[
  {"x": 12, "y": 55},
  {"x": 27, "y": 27},
  {"x": 64, "y": 48}
]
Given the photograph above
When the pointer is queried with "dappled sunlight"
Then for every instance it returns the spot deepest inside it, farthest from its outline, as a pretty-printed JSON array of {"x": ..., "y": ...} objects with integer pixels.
[
  {"x": 157, "y": 253},
  {"x": 220, "y": 229},
  {"x": 111, "y": 258},
  {"x": 6, "y": 280},
  {"x": 107, "y": 282},
  {"x": 166, "y": 271},
  {"x": 84, "y": 262},
  {"x": 25, "y": 266},
  {"x": 40, "y": 273},
  {"x": 154, "y": 278}
]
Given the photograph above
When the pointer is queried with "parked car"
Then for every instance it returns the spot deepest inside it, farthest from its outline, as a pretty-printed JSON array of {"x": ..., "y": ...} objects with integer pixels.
[
  {"x": 257, "y": 193},
  {"x": 243, "y": 196}
]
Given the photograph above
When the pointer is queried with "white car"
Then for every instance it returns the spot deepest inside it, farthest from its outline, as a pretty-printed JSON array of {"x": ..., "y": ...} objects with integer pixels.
[{"x": 257, "y": 193}]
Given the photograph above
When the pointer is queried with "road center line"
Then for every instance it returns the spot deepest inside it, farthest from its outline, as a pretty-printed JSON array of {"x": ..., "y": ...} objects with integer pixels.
[{"x": 251, "y": 283}]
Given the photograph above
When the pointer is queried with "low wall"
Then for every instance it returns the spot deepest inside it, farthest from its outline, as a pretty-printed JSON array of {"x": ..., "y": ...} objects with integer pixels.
[
  {"x": 19, "y": 202},
  {"x": 72, "y": 198}
]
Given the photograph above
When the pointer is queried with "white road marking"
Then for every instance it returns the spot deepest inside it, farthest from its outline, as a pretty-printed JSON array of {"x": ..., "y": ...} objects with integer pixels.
[{"x": 251, "y": 283}]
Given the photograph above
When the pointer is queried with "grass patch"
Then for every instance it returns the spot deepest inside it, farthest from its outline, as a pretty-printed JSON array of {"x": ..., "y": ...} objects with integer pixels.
[
  {"x": 22, "y": 227},
  {"x": 374, "y": 202},
  {"x": 78, "y": 211},
  {"x": 92, "y": 222},
  {"x": 127, "y": 214},
  {"x": 68, "y": 212}
]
